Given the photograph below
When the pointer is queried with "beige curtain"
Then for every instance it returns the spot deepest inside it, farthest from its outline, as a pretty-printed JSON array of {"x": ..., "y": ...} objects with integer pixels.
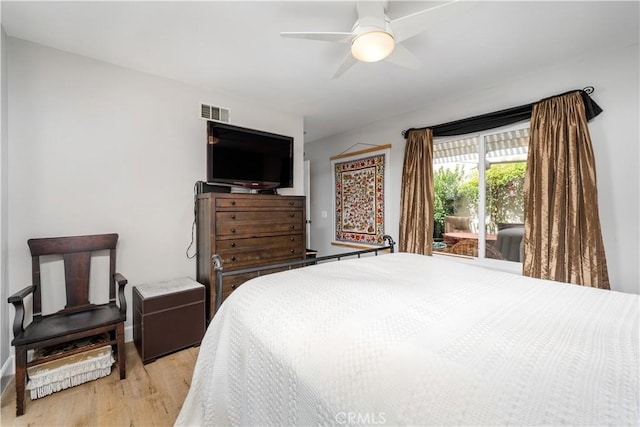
[
  {"x": 563, "y": 241},
  {"x": 416, "y": 205}
]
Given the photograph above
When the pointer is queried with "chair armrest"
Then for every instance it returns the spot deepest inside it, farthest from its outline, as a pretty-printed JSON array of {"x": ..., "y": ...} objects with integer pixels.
[
  {"x": 21, "y": 294},
  {"x": 122, "y": 282},
  {"x": 17, "y": 300}
]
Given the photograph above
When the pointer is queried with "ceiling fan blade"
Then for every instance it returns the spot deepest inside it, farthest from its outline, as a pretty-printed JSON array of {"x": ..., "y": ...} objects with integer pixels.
[
  {"x": 347, "y": 63},
  {"x": 403, "y": 57},
  {"x": 411, "y": 25},
  {"x": 327, "y": 37},
  {"x": 371, "y": 14}
]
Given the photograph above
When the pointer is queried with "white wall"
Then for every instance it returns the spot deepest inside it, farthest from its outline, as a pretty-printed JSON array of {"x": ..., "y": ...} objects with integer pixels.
[
  {"x": 98, "y": 148},
  {"x": 4, "y": 318},
  {"x": 614, "y": 133}
]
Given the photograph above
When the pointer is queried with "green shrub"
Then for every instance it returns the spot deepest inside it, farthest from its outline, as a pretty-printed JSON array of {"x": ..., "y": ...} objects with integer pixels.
[
  {"x": 446, "y": 188},
  {"x": 504, "y": 193}
]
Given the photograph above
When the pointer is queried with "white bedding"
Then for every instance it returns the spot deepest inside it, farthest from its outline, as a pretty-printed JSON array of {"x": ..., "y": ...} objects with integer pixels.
[{"x": 403, "y": 339}]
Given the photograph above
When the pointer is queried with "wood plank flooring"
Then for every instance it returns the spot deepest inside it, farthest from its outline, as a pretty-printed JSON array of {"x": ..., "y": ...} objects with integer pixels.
[{"x": 152, "y": 395}]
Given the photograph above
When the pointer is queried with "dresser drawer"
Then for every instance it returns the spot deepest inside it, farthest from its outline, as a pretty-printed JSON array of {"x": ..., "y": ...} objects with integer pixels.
[
  {"x": 231, "y": 283},
  {"x": 244, "y": 258},
  {"x": 255, "y": 202},
  {"x": 258, "y": 217},
  {"x": 232, "y": 245},
  {"x": 261, "y": 228}
]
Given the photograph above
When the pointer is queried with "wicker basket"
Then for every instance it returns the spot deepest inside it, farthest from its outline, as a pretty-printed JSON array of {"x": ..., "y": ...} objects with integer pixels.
[{"x": 72, "y": 370}]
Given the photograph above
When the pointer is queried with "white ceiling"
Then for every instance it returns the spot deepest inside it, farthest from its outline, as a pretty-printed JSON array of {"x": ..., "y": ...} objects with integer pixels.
[{"x": 235, "y": 46}]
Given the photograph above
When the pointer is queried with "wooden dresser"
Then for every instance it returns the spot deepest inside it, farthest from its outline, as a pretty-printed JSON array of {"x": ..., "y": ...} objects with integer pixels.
[{"x": 246, "y": 230}]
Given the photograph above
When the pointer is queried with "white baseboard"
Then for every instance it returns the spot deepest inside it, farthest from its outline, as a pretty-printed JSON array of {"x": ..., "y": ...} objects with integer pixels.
[
  {"x": 8, "y": 368},
  {"x": 128, "y": 334}
]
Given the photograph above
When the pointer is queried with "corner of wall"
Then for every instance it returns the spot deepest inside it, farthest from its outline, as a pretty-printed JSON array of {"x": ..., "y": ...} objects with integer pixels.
[{"x": 5, "y": 333}]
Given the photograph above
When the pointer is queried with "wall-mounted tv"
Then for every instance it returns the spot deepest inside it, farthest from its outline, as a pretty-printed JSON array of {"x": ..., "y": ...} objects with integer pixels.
[{"x": 248, "y": 158}]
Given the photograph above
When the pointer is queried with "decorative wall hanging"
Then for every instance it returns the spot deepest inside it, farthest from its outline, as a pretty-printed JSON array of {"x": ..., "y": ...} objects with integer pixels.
[{"x": 359, "y": 196}]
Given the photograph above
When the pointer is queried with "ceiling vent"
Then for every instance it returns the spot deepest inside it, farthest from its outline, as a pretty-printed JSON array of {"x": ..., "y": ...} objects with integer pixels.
[{"x": 211, "y": 112}]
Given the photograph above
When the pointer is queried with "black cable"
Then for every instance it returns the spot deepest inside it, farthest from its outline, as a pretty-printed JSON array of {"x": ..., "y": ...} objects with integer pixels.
[{"x": 193, "y": 225}]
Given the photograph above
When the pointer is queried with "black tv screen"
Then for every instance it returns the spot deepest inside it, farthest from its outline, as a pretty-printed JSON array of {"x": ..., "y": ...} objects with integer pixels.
[{"x": 248, "y": 158}]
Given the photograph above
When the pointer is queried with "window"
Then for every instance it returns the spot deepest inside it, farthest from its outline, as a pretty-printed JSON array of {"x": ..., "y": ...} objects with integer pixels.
[{"x": 479, "y": 193}]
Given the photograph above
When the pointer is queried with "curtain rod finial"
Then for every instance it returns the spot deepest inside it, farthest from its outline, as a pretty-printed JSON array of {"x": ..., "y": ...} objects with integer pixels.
[{"x": 405, "y": 133}]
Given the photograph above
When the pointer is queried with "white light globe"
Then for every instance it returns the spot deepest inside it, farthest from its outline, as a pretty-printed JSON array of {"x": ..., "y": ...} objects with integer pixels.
[{"x": 372, "y": 46}]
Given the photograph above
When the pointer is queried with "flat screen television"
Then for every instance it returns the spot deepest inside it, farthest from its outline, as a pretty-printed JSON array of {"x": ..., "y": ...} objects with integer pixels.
[{"x": 248, "y": 158}]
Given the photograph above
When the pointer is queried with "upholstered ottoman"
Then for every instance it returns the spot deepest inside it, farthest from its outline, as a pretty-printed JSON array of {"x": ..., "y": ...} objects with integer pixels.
[{"x": 167, "y": 316}]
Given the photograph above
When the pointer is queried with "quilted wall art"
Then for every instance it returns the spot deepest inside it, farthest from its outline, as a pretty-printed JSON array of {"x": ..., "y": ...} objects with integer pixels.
[{"x": 359, "y": 196}]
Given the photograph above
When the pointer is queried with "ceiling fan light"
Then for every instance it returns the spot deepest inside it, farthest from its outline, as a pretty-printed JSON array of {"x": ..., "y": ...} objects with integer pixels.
[{"x": 372, "y": 46}]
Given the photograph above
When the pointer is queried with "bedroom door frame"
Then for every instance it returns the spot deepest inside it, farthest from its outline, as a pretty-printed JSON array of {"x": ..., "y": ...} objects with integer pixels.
[{"x": 307, "y": 194}]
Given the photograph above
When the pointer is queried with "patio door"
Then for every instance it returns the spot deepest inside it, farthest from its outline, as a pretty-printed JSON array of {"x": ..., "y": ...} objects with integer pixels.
[{"x": 479, "y": 200}]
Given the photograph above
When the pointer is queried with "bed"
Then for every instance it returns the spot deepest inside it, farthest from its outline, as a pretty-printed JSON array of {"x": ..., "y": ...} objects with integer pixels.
[{"x": 405, "y": 339}]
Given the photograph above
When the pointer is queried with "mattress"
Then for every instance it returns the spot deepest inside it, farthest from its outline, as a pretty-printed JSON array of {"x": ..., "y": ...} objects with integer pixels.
[{"x": 405, "y": 339}]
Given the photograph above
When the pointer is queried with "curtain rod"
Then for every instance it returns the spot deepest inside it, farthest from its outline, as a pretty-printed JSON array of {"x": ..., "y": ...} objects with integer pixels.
[{"x": 504, "y": 117}]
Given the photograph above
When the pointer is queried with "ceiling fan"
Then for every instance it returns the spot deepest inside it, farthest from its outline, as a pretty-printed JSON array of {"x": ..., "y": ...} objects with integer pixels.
[{"x": 374, "y": 37}]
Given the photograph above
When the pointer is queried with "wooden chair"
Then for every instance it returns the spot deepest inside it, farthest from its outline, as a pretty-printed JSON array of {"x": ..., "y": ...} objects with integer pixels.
[
  {"x": 79, "y": 318},
  {"x": 469, "y": 247}
]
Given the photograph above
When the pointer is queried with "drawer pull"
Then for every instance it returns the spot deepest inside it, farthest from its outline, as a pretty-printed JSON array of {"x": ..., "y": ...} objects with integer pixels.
[
  {"x": 291, "y": 215},
  {"x": 233, "y": 287},
  {"x": 292, "y": 250},
  {"x": 292, "y": 227},
  {"x": 233, "y": 216},
  {"x": 233, "y": 258},
  {"x": 292, "y": 239},
  {"x": 233, "y": 202},
  {"x": 233, "y": 244},
  {"x": 233, "y": 230},
  {"x": 290, "y": 203}
]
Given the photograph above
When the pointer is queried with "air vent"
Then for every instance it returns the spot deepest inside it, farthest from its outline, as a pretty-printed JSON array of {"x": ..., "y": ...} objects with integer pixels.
[{"x": 211, "y": 112}]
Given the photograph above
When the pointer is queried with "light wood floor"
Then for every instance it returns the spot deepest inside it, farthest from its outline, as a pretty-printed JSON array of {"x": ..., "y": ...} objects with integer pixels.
[{"x": 152, "y": 395}]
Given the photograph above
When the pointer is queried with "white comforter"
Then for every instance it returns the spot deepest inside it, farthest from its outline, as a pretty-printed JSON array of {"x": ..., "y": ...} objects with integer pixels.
[{"x": 404, "y": 339}]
